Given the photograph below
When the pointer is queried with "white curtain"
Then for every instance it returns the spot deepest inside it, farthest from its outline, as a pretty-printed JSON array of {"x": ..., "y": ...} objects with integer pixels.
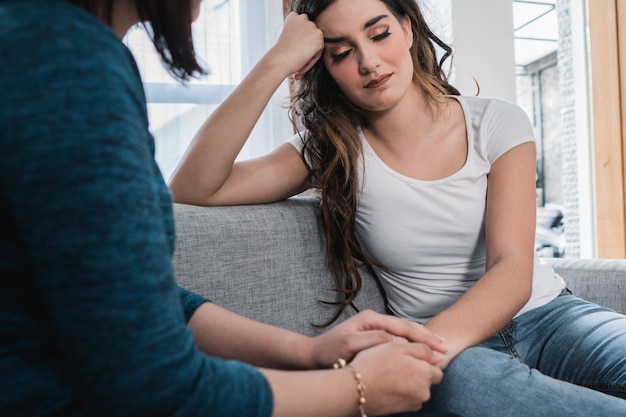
[{"x": 230, "y": 37}]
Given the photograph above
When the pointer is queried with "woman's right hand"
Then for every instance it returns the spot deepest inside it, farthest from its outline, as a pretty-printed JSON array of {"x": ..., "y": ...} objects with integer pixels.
[
  {"x": 397, "y": 376},
  {"x": 300, "y": 44}
]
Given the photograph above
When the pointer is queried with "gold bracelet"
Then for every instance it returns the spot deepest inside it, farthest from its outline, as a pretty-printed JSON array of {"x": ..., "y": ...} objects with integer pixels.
[{"x": 342, "y": 364}]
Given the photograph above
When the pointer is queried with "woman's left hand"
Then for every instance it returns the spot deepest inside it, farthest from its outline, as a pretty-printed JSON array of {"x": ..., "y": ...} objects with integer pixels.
[{"x": 368, "y": 329}]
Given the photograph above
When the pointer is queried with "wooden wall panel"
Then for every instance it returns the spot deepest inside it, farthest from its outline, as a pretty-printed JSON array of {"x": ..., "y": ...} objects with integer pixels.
[
  {"x": 621, "y": 29},
  {"x": 607, "y": 93}
]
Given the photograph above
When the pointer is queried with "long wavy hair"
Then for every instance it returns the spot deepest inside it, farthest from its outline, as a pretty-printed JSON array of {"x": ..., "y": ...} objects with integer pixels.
[
  {"x": 168, "y": 24},
  {"x": 332, "y": 147}
]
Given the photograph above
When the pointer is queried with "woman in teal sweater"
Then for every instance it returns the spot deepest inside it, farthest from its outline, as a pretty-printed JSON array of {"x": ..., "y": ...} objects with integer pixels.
[{"x": 91, "y": 321}]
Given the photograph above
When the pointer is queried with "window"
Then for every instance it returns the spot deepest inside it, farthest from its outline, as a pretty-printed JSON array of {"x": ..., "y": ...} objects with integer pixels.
[
  {"x": 230, "y": 36},
  {"x": 536, "y": 39}
]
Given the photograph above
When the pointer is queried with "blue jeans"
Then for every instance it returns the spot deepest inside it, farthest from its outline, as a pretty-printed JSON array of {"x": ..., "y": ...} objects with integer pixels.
[
  {"x": 567, "y": 358},
  {"x": 424, "y": 414}
]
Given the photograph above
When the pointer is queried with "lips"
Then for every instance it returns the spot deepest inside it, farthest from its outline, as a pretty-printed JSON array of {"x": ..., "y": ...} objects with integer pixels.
[{"x": 378, "y": 81}]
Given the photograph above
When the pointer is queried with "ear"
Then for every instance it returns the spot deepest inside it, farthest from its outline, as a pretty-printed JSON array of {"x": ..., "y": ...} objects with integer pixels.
[{"x": 407, "y": 31}]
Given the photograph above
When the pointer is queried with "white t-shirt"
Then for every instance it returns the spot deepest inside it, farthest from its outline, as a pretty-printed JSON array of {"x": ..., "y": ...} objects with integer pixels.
[{"x": 430, "y": 235}]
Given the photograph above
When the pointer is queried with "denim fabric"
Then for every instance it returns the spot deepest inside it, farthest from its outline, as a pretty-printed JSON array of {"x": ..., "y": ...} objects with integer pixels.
[
  {"x": 424, "y": 414},
  {"x": 543, "y": 363}
]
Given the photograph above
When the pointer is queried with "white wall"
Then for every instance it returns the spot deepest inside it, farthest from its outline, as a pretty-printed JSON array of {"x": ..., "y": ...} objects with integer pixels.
[
  {"x": 586, "y": 234},
  {"x": 482, "y": 37}
]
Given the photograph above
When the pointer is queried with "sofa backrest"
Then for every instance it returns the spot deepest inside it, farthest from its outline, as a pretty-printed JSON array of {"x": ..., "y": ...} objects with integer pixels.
[{"x": 266, "y": 262}]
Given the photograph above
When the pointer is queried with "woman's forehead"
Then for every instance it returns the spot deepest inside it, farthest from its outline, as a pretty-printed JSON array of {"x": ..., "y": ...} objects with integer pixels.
[{"x": 349, "y": 15}]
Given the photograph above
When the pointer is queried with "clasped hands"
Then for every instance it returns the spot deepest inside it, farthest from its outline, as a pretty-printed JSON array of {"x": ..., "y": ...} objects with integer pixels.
[{"x": 369, "y": 329}]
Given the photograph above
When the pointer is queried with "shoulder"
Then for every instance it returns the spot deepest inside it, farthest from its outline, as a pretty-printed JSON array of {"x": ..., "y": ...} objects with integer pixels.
[
  {"x": 492, "y": 107},
  {"x": 64, "y": 72},
  {"x": 300, "y": 139},
  {"x": 72, "y": 96},
  {"x": 53, "y": 45},
  {"x": 53, "y": 25},
  {"x": 497, "y": 125},
  {"x": 493, "y": 115}
]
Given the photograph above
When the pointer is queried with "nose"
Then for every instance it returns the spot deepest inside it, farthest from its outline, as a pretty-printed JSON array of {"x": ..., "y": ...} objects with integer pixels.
[{"x": 368, "y": 61}]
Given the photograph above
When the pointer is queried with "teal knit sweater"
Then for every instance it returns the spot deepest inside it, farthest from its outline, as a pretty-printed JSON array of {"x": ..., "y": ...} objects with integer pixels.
[{"x": 91, "y": 321}]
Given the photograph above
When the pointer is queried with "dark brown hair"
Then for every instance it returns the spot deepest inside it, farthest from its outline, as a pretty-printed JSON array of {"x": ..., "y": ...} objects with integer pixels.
[
  {"x": 333, "y": 147},
  {"x": 168, "y": 24}
]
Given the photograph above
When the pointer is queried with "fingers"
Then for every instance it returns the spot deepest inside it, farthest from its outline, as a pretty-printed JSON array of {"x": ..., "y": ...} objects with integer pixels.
[
  {"x": 300, "y": 73},
  {"x": 367, "y": 339},
  {"x": 397, "y": 373},
  {"x": 421, "y": 363},
  {"x": 413, "y": 332},
  {"x": 421, "y": 351},
  {"x": 368, "y": 329},
  {"x": 302, "y": 43},
  {"x": 345, "y": 342}
]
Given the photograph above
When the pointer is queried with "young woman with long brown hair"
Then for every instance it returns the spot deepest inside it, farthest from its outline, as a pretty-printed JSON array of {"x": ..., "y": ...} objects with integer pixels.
[{"x": 434, "y": 190}]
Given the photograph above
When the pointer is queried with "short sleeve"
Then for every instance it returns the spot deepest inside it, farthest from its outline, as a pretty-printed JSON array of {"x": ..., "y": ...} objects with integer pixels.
[
  {"x": 506, "y": 126},
  {"x": 298, "y": 141}
]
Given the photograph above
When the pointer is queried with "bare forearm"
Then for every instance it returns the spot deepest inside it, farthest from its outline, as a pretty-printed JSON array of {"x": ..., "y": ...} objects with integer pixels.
[
  {"x": 225, "y": 334},
  {"x": 209, "y": 161},
  {"x": 212, "y": 153},
  {"x": 507, "y": 284},
  {"x": 485, "y": 308},
  {"x": 397, "y": 375},
  {"x": 313, "y": 393},
  {"x": 394, "y": 376},
  {"x": 222, "y": 333}
]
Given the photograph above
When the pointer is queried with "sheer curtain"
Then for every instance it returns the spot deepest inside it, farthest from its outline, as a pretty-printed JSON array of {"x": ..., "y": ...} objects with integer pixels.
[{"x": 230, "y": 36}]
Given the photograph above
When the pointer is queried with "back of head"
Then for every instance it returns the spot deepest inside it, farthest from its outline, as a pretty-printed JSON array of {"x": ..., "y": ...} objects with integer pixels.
[{"x": 168, "y": 24}]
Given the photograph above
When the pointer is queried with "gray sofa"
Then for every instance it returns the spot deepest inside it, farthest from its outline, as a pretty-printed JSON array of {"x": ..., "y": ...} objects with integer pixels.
[{"x": 267, "y": 262}]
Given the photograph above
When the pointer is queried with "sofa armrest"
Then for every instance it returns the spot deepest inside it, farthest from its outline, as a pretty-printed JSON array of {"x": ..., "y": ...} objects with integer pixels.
[{"x": 602, "y": 281}]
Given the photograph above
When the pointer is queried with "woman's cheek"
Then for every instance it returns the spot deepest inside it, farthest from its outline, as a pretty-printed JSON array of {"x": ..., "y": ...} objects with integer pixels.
[{"x": 343, "y": 75}]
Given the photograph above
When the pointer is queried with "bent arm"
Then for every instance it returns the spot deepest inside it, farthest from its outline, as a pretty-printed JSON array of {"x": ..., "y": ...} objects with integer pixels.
[
  {"x": 397, "y": 374},
  {"x": 208, "y": 174},
  {"x": 92, "y": 217},
  {"x": 225, "y": 334},
  {"x": 506, "y": 286}
]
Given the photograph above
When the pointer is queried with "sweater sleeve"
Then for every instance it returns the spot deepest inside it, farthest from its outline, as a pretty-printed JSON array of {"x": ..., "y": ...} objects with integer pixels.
[
  {"x": 190, "y": 302},
  {"x": 93, "y": 213}
]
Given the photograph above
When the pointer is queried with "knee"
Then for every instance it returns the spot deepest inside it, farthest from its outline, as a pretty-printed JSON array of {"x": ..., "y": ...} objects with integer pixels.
[{"x": 478, "y": 372}]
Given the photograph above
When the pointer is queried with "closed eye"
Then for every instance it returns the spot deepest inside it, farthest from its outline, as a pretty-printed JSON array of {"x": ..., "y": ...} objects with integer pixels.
[
  {"x": 381, "y": 36},
  {"x": 339, "y": 57}
]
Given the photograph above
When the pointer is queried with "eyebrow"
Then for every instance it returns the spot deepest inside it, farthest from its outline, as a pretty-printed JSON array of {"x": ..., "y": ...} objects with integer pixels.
[{"x": 367, "y": 24}]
